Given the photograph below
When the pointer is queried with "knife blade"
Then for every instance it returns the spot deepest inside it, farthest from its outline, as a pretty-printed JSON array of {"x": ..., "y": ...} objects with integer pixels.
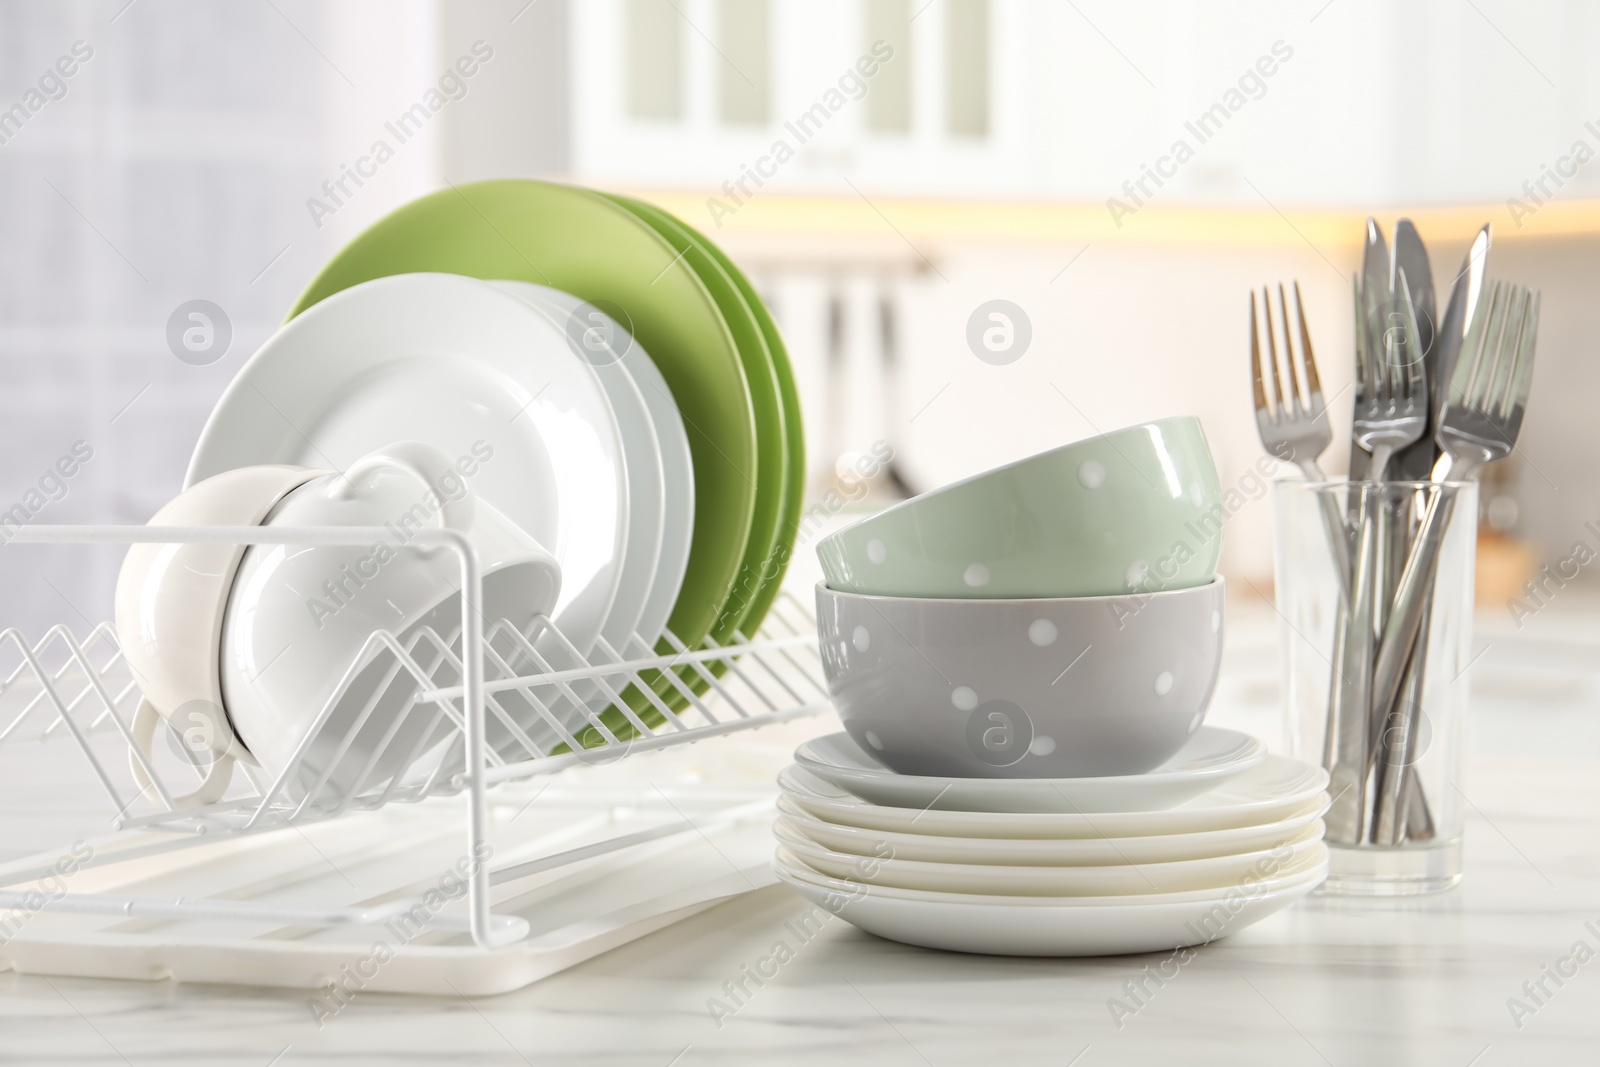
[{"x": 1465, "y": 290}]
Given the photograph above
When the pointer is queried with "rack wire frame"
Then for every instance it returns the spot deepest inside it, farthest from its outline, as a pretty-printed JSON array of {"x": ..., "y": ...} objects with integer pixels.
[{"x": 459, "y": 679}]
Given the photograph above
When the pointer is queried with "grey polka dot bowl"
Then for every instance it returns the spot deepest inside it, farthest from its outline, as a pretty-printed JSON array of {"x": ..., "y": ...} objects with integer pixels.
[
  {"x": 1058, "y": 687},
  {"x": 1135, "y": 509}
]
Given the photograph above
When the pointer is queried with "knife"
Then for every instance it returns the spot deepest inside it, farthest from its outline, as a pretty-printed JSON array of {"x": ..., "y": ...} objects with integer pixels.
[{"x": 1464, "y": 293}]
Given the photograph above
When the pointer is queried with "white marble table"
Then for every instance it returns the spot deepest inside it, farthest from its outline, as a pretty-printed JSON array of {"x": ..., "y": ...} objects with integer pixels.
[{"x": 1327, "y": 982}]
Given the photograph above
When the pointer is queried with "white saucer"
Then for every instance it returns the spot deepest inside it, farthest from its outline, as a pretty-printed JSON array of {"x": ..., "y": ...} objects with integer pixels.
[
  {"x": 1060, "y": 852},
  {"x": 1211, "y": 757},
  {"x": 1049, "y": 926},
  {"x": 1276, "y": 789},
  {"x": 1114, "y": 879}
]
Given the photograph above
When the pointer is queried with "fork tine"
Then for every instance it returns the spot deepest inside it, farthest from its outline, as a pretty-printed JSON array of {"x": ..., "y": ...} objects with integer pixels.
[
  {"x": 1259, "y": 391},
  {"x": 1312, "y": 381},
  {"x": 1415, "y": 377},
  {"x": 1272, "y": 349},
  {"x": 1463, "y": 381},
  {"x": 1493, "y": 342},
  {"x": 1522, "y": 379},
  {"x": 1294, "y": 378},
  {"x": 1362, "y": 378},
  {"x": 1506, "y": 399},
  {"x": 1498, "y": 391},
  {"x": 1308, "y": 367},
  {"x": 1295, "y": 368},
  {"x": 1389, "y": 362}
]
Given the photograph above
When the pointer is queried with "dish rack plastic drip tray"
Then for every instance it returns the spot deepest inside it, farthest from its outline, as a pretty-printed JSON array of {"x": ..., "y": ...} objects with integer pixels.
[{"x": 469, "y": 870}]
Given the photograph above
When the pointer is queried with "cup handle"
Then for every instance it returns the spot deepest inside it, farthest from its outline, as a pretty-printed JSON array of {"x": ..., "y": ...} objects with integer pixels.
[
  {"x": 212, "y": 786},
  {"x": 428, "y": 465}
]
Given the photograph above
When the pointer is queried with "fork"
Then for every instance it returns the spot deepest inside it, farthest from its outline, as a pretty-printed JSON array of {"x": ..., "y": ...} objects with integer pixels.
[
  {"x": 1391, "y": 406},
  {"x": 1479, "y": 424},
  {"x": 1296, "y": 430}
]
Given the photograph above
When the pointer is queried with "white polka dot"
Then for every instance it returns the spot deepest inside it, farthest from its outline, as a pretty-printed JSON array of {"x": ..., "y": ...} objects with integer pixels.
[
  {"x": 1216, "y": 621},
  {"x": 1091, "y": 475},
  {"x": 1163, "y": 683},
  {"x": 1135, "y": 573},
  {"x": 1194, "y": 723},
  {"x": 861, "y": 639},
  {"x": 874, "y": 740},
  {"x": 964, "y": 698},
  {"x": 1196, "y": 497},
  {"x": 1042, "y": 746},
  {"x": 976, "y": 575},
  {"x": 1042, "y": 632},
  {"x": 877, "y": 552}
]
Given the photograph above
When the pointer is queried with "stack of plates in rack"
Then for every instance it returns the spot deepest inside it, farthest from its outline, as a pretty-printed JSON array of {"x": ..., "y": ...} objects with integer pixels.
[
  {"x": 1215, "y": 840},
  {"x": 609, "y": 381}
]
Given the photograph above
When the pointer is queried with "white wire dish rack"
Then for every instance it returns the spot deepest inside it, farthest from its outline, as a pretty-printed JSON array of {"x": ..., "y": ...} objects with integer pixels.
[{"x": 228, "y": 891}]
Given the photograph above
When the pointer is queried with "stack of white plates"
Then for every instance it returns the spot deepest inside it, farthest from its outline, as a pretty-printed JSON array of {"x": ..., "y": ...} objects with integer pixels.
[{"x": 1215, "y": 840}]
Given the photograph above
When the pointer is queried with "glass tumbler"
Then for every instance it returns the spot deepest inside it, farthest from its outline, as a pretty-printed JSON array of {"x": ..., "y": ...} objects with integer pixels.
[{"x": 1374, "y": 596}]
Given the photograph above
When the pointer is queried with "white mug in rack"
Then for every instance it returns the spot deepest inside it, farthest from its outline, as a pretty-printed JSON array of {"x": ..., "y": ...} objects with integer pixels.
[
  {"x": 170, "y": 600},
  {"x": 301, "y": 618}
]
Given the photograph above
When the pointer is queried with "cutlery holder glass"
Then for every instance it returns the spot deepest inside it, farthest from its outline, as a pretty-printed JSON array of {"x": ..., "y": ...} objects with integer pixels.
[{"x": 1380, "y": 705}]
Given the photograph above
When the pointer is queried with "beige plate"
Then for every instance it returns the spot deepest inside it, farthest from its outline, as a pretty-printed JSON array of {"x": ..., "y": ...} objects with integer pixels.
[
  {"x": 1306, "y": 872},
  {"x": 1216, "y": 872},
  {"x": 1070, "y": 852},
  {"x": 1273, "y": 790}
]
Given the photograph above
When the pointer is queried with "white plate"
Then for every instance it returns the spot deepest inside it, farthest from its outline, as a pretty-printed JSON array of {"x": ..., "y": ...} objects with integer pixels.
[
  {"x": 1274, "y": 790},
  {"x": 1049, "y": 926},
  {"x": 456, "y": 363},
  {"x": 1155, "y": 848},
  {"x": 677, "y": 470},
  {"x": 786, "y": 862},
  {"x": 638, "y": 608},
  {"x": 1132, "y": 879},
  {"x": 1212, "y": 756}
]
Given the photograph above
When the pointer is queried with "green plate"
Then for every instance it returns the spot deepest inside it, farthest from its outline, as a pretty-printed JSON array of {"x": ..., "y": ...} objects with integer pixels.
[
  {"x": 767, "y": 550},
  {"x": 794, "y": 489},
  {"x": 771, "y": 577},
  {"x": 578, "y": 241}
]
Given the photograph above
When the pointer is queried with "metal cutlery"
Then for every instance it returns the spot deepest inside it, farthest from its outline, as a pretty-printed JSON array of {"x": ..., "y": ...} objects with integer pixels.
[
  {"x": 1479, "y": 423},
  {"x": 1391, "y": 412},
  {"x": 1295, "y": 430},
  {"x": 1411, "y": 263},
  {"x": 1374, "y": 289},
  {"x": 1436, "y": 399},
  {"x": 1413, "y": 819},
  {"x": 1391, "y": 405},
  {"x": 1465, "y": 291}
]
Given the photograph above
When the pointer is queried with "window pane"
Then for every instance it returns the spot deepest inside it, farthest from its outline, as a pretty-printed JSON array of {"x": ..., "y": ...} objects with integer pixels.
[
  {"x": 655, "y": 60},
  {"x": 742, "y": 37},
  {"x": 889, "y": 100},
  {"x": 967, "y": 67}
]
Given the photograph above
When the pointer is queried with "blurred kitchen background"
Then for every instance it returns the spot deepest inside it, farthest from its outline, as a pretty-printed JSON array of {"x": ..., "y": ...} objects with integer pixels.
[{"x": 222, "y": 152}]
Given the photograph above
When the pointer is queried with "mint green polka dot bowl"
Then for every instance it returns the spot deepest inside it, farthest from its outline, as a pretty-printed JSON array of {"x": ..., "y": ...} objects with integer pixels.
[{"x": 1137, "y": 509}]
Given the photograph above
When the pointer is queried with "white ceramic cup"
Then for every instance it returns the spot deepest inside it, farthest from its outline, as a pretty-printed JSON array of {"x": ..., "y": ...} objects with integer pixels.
[
  {"x": 170, "y": 600},
  {"x": 299, "y": 618}
]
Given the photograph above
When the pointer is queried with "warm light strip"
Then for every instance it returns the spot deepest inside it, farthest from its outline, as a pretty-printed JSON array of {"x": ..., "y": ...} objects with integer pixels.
[{"x": 772, "y": 214}]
